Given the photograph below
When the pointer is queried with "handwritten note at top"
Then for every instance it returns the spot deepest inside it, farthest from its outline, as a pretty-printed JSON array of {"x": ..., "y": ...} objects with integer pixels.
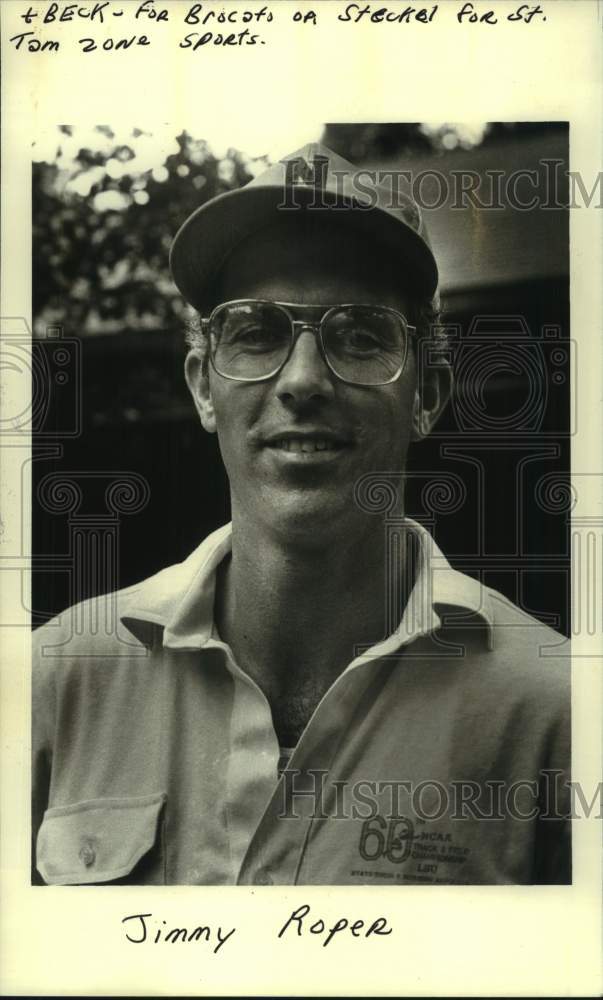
[{"x": 114, "y": 26}]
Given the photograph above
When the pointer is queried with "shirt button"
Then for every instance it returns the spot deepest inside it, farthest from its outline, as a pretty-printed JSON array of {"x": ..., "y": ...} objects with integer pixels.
[
  {"x": 87, "y": 855},
  {"x": 262, "y": 877}
]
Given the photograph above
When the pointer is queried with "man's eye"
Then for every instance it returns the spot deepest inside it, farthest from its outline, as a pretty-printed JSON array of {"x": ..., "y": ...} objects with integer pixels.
[
  {"x": 256, "y": 336},
  {"x": 359, "y": 340}
]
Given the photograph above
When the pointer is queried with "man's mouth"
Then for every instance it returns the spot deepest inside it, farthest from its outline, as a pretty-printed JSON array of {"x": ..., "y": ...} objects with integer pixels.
[
  {"x": 305, "y": 445},
  {"x": 311, "y": 443}
]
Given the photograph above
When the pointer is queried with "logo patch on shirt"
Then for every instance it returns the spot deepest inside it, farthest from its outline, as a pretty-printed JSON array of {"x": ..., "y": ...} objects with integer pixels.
[
  {"x": 432, "y": 854},
  {"x": 391, "y": 839}
]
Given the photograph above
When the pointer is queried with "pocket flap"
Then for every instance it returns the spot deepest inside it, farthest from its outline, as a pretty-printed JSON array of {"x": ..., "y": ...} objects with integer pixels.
[{"x": 97, "y": 840}]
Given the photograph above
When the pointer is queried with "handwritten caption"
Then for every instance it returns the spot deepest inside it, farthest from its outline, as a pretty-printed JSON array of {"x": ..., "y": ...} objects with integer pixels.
[
  {"x": 139, "y": 24},
  {"x": 148, "y": 928}
]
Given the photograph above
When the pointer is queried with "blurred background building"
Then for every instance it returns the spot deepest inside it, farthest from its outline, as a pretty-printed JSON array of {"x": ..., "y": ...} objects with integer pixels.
[{"x": 492, "y": 483}]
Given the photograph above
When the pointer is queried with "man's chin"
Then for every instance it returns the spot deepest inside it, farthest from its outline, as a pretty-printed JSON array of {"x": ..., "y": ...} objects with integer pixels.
[{"x": 308, "y": 517}]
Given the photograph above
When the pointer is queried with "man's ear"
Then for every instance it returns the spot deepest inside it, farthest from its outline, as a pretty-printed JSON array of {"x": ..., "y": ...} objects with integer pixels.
[
  {"x": 430, "y": 399},
  {"x": 197, "y": 380}
]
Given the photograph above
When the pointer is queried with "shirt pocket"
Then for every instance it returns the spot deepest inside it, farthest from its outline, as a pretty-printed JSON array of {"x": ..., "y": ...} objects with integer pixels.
[{"x": 103, "y": 840}]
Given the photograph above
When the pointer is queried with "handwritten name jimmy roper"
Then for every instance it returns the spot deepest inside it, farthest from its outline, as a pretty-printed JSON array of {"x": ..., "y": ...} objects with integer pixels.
[{"x": 141, "y": 928}]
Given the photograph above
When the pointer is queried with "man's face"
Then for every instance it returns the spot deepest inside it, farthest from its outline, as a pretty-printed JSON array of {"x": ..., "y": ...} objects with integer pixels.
[{"x": 269, "y": 431}]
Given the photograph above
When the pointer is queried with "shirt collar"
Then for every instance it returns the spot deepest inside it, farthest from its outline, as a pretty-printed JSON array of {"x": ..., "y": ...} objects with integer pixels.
[
  {"x": 441, "y": 596},
  {"x": 181, "y": 597}
]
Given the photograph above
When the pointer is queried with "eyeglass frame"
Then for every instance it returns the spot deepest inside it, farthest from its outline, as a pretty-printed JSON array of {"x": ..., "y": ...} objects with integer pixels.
[{"x": 316, "y": 328}]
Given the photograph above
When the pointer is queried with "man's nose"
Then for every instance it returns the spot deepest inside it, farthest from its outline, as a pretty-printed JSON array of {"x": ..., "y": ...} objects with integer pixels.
[{"x": 305, "y": 375}]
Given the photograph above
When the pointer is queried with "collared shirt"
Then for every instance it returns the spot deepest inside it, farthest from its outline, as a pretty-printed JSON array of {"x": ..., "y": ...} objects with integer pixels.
[{"x": 439, "y": 755}]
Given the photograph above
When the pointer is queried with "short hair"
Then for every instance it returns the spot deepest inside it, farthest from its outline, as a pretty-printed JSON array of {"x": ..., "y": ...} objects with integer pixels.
[{"x": 423, "y": 313}]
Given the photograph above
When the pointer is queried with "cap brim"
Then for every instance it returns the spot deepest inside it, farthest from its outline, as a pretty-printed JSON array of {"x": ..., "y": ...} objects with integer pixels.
[{"x": 211, "y": 233}]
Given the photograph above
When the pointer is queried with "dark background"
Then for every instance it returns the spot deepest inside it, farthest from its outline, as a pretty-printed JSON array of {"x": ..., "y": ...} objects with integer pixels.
[{"x": 103, "y": 220}]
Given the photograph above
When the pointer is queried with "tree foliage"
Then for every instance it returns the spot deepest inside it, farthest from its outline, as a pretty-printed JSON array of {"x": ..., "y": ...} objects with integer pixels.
[{"x": 105, "y": 211}]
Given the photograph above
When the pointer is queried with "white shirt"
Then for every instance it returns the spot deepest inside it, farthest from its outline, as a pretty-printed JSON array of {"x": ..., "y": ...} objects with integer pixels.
[{"x": 155, "y": 755}]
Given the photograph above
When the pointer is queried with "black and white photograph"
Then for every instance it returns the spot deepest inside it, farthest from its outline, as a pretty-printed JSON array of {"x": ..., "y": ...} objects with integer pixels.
[{"x": 305, "y": 560}]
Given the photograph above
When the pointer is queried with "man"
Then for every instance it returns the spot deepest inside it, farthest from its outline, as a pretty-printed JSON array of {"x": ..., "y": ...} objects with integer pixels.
[{"x": 254, "y": 718}]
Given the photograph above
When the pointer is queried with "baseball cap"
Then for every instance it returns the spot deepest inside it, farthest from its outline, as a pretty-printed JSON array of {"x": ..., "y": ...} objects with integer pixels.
[{"x": 312, "y": 179}]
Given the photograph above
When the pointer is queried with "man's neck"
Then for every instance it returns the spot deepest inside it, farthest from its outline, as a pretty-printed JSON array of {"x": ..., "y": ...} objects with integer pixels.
[{"x": 293, "y": 617}]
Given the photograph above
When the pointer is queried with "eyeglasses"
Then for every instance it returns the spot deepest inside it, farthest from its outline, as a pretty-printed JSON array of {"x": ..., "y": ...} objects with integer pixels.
[{"x": 251, "y": 340}]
